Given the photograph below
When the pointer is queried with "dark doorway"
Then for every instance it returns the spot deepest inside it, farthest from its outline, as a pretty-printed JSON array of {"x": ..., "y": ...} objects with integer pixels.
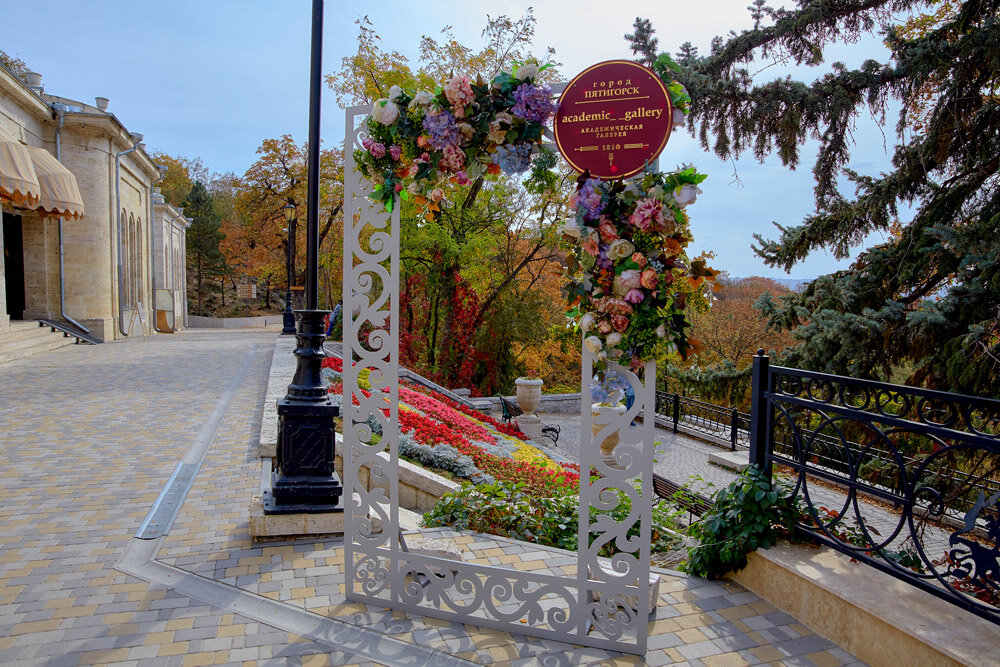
[{"x": 13, "y": 263}]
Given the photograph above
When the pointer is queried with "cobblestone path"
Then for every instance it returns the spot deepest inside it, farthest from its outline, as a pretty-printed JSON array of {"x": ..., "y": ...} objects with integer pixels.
[{"x": 91, "y": 435}]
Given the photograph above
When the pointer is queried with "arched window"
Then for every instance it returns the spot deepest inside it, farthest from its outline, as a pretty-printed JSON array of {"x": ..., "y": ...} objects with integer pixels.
[
  {"x": 130, "y": 251},
  {"x": 137, "y": 265},
  {"x": 124, "y": 284}
]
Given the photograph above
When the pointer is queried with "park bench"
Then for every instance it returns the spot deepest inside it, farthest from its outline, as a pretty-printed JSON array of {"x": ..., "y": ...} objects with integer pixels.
[
  {"x": 511, "y": 410},
  {"x": 695, "y": 504}
]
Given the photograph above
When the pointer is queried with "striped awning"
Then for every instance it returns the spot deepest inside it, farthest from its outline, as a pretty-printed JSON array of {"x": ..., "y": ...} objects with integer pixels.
[
  {"x": 18, "y": 180},
  {"x": 60, "y": 195}
]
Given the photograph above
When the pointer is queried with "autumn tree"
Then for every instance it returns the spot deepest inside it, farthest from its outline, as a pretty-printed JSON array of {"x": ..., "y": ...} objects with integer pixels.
[
  {"x": 261, "y": 239},
  {"x": 928, "y": 298},
  {"x": 732, "y": 330},
  {"x": 182, "y": 172},
  {"x": 15, "y": 66},
  {"x": 369, "y": 74},
  {"x": 469, "y": 274}
]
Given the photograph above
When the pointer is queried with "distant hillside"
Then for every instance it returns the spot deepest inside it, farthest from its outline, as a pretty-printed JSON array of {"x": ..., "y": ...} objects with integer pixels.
[{"x": 794, "y": 284}]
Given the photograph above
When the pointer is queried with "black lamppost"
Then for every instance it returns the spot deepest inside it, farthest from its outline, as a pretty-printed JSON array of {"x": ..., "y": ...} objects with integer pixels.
[
  {"x": 304, "y": 479},
  {"x": 287, "y": 317}
]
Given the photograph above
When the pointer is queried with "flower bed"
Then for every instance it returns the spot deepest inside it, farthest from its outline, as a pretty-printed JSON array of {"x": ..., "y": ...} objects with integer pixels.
[{"x": 441, "y": 433}]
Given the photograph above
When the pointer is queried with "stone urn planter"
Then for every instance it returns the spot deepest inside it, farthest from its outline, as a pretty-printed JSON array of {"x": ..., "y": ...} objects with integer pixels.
[
  {"x": 529, "y": 393},
  {"x": 602, "y": 415}
]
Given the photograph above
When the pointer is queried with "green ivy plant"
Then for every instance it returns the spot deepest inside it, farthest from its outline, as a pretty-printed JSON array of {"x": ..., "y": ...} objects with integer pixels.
[{"x": 749, "y": 514}]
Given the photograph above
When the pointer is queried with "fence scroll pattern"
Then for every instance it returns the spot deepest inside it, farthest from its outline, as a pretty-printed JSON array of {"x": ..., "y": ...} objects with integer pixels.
[
  {"x": 590, "y": 608},
  {"x": 928, "y": 455}
]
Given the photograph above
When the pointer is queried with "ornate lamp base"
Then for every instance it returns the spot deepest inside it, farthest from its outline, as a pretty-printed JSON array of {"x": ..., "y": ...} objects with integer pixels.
[{"x": 304, "y": 480}]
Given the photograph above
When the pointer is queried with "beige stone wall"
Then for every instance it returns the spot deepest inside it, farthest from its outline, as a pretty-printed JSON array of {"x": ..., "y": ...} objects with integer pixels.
[
  {"x": 89, "y": 141},
  {"x": 24, "y": 120},
  {"x": 169, "y": 232}
]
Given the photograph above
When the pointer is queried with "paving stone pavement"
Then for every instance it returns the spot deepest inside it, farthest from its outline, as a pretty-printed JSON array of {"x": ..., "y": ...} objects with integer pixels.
[{"x": 92, "y": 434}]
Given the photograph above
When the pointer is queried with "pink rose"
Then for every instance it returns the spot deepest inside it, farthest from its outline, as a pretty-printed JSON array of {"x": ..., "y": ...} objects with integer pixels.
[
  {"x": 619, "y": 307},
  {"x": 634, "y": 296},
  {"x": 648, "y": 279},
  {"x": 423, "y": 141},
  {"x": 436, "y": 195},
  {"x": 461, "y": 178},
  {"x": 590, "y": 247},
  {"x": 367, "y": 142},
  {"x": 459, "y": 93},
  {"x": 604, "y": 327},
  {"x": 453, "y": 159},
  {"x": 395, "y": 152},
  {"x": 629, "y": 279},
  {"x": 377, "y": 150},
  {"x": 639, "y": 259},
  {"x": 619, "y": 322},
  {"x": 398, "y": 187},
  {"x": 608, "y": 231},
  {"x": 648, "y": 214}
]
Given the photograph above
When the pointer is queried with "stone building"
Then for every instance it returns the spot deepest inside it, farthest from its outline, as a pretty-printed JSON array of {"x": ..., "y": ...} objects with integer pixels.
[{"x": 104, "y": 262}]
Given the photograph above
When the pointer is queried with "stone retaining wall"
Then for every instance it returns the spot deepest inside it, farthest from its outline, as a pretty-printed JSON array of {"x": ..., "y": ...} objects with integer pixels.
[
  {"x": 198, "y": 322},
  {"x": 566, "y": 404}
]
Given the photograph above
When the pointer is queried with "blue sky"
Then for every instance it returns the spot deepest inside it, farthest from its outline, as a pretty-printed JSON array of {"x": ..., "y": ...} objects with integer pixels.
[{"x": 213, "y": 78}]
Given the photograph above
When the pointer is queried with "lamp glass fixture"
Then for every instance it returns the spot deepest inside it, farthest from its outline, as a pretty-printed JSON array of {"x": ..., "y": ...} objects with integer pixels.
[{"x": 289, "y": 211}]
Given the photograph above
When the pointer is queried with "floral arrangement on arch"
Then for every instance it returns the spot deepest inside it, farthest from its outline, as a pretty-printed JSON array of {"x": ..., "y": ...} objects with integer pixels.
[
  {"x": 628, "y": 277},
  {"x": 464, "y": 130}
]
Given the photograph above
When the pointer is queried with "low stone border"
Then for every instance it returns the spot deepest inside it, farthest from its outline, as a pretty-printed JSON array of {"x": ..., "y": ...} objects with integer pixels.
[
  {"x": 199, "y": 322},
  {"x": 880, "y": 619}
]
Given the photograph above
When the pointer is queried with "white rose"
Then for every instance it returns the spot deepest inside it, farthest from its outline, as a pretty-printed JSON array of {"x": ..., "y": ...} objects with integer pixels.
[
  {"x": 587, "y": 322},
  {"x": 571, "y": 228},
  {"x": 527, "y": 71},
  {"x": 385, "y": 112},
  {"x": 661, "y": 331},
  {"x": 421, "y": 99},
  {"x": 678, "y": 118},
  {"x": 601, "y": 357},
  {"x": 413, "y": 188},
  {"x": 593, "y": 344},
  {"x": 613, "y": 339},
  {"x": 621, "y": 249},
  {"x": 686, "y": 194},
  {"x": 395, "y": 93}
]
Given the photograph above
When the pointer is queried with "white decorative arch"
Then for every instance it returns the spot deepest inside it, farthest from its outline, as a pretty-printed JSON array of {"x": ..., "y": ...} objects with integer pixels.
[{"x": 589, "y": 608}]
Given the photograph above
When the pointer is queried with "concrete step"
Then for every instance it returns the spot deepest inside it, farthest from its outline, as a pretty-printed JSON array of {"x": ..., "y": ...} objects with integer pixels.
[
  {"x": 28, "y": 339},
  {"x": 23, "y": 331}
]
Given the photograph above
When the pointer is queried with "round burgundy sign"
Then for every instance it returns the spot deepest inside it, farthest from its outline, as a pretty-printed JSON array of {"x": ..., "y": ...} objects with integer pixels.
[{"x": 613, "y": 118}]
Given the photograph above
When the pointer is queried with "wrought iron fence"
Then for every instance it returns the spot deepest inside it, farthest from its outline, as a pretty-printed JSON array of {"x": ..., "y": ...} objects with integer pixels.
[
  {"x": 928, "y": 455},
  {"x": 703, "y": 418}
]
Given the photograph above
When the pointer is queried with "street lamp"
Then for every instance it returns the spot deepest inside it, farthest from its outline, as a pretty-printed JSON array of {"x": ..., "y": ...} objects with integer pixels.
[
  {"x": 288, "y": 318},
  {"x": 304, "y": 479}
]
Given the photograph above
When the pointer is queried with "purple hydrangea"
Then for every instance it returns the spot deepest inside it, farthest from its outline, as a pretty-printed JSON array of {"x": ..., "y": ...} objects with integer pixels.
[
  {"x": 513, "y": 159},
  {"x": 589, "y": 198},
  {"x": 603, "y": 261},
  {"x": 443, "y": 130},
  {"x": 533, "y": 102}
]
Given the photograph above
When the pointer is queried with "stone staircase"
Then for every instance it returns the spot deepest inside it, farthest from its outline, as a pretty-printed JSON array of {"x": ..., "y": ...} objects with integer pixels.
[{"x": 27, "y": 338}]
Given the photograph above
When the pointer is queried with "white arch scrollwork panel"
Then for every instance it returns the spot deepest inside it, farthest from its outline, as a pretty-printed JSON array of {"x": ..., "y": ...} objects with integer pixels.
[{"x": 590, "y": 608}]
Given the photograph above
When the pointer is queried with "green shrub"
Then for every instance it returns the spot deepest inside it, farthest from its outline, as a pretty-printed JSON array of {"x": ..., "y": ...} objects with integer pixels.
[
  {"x": 507, "y": 510},
  {"x": 747, "y": 515}
]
